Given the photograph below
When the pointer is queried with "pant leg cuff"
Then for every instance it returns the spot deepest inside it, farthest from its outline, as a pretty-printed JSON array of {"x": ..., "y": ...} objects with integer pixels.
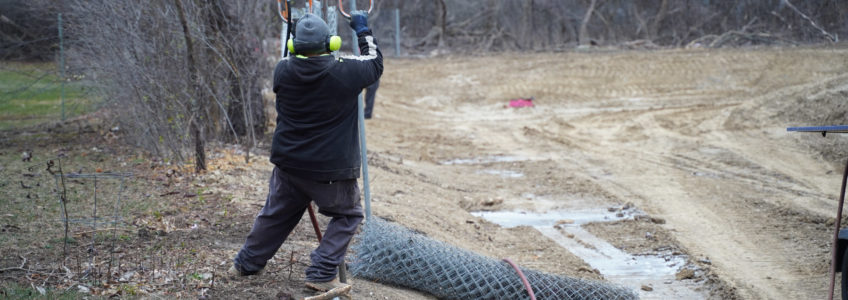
[
  {"x": 245, "y": 266},
  {"x": 315, "y": 274}
]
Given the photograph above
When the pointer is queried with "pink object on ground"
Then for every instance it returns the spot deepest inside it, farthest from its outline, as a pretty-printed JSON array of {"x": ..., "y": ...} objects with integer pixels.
[{"x": 521, "y": 102}]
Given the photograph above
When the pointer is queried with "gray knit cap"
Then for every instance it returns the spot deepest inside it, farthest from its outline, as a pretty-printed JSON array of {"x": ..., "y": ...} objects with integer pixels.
[{"x": 311, "y": 34}]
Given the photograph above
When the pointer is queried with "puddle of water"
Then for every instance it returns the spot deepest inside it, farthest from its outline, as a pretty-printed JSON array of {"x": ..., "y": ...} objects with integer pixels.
[
  {"x": 502, "y": 173},
  {"x": 482, "y": 160},
  {"x": 511, "y": 219},
  {"x": 564, "y": 228},
  {"x": 706, "y": 174}
]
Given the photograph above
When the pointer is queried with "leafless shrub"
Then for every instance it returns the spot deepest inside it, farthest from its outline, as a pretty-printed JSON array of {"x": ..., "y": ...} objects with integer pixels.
[{"x": 139, "y": 55}]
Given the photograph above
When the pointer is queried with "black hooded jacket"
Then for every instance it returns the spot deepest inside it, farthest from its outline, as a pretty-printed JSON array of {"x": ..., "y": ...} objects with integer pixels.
[{"x": 317, "y": 134}]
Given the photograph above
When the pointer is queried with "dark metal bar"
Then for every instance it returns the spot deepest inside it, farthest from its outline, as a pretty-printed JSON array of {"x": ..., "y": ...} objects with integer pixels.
[
  {"x": 115, "y": 229},
  {"x": 314, "y": 221},
  {"x": 93, "y": 249},
  {"x": 822, "y": 129},
  {"x": 63, "y": 193},
  {"x": 836, "y": 233}
]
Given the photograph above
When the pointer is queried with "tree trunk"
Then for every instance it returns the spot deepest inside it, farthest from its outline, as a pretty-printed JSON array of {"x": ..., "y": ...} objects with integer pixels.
[
  {"x": 654, "y": 30},
  {"x": 441, "y": 21},
  {"x": 196, "y": 106},
  {"x": 583, "y": 36},
  {"x": 527, "y": 38}
]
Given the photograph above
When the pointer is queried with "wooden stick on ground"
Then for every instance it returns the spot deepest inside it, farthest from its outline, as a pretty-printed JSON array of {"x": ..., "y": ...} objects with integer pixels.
[
  {"x": 328, "y": 295},
  {"x": 23, "y": 264}
]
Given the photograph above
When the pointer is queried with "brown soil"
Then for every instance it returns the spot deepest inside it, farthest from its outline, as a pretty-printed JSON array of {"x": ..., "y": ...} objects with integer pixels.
[{"x": 695, "y": 138}]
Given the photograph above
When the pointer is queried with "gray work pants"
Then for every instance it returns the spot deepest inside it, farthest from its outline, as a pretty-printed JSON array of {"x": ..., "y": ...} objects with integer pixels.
[{"x": 288, "y": 198}]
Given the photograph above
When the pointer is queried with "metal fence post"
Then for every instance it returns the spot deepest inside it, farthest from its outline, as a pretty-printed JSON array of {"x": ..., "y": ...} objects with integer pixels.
[
  {"x": 62, "y": 64},
  {"x": 397, "y": 32},
  {"x": 364, "y": 152}
]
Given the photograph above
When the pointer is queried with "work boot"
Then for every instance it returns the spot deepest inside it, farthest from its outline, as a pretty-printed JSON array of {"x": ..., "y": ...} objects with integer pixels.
[
  {"x": 327, "y": 285},
  {"x": 235, "y": 272}
]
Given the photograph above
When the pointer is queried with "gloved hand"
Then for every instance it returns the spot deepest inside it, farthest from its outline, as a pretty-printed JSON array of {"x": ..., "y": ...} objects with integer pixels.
[{"x": 359, "y": 21}]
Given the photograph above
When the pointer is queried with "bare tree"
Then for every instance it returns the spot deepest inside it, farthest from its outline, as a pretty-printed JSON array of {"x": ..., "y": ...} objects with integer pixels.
[
  {"x": 195, "y": 105},
  {"x": 584, "y": 33},
  {"x": 437, "y": 33},
  {"x": 654, "y": 29},
  {"x": 179, "y": 73}
]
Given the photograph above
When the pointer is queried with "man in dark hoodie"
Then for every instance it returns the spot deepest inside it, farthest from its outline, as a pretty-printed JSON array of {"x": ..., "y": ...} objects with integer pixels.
[{"x": 315, "y": 149}]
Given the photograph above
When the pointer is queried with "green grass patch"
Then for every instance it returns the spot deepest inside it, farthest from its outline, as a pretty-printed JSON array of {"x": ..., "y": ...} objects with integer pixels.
[
  {"x": 32, "y": 94},
  {"x": 16, "y": 291}
]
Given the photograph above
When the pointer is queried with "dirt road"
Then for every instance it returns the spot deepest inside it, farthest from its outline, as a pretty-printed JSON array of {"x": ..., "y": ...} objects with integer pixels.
[{"x": 696, "y": 138}]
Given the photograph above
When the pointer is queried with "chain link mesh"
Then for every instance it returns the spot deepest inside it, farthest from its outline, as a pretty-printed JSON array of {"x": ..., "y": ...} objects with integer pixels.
[{"x": 392, "y": 254}]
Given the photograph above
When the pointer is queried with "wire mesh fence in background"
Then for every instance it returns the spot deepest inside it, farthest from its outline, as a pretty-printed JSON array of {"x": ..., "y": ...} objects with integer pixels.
[
  {"x": 389, "y": 253},
  {"x": 31, "y": 94}
]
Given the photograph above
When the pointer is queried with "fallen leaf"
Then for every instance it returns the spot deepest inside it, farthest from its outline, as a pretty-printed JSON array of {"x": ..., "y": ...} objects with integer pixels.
[
  {"x": 685, "y": 274},
  {"x": 564, "y": 221}
]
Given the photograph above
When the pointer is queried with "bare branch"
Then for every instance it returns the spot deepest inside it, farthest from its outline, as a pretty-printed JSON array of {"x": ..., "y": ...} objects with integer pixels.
[
  {"x": 20, "y": 268},
  {"x": 829, "y": 36}
]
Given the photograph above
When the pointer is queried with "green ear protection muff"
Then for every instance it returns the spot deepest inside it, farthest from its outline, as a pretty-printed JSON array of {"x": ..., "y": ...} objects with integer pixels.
[{"x": 333, "y": 43}]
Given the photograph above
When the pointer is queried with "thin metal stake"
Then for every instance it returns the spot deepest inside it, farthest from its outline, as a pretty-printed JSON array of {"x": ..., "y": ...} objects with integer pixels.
[
  {"x": 93, "y": 250},
  {"x": 63, "y": 198},
  {"x": 115, "y": 223}
]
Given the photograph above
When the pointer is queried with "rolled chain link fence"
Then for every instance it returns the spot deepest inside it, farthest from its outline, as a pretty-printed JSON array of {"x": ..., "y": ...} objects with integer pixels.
[{"x": 392, "y": 254}]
